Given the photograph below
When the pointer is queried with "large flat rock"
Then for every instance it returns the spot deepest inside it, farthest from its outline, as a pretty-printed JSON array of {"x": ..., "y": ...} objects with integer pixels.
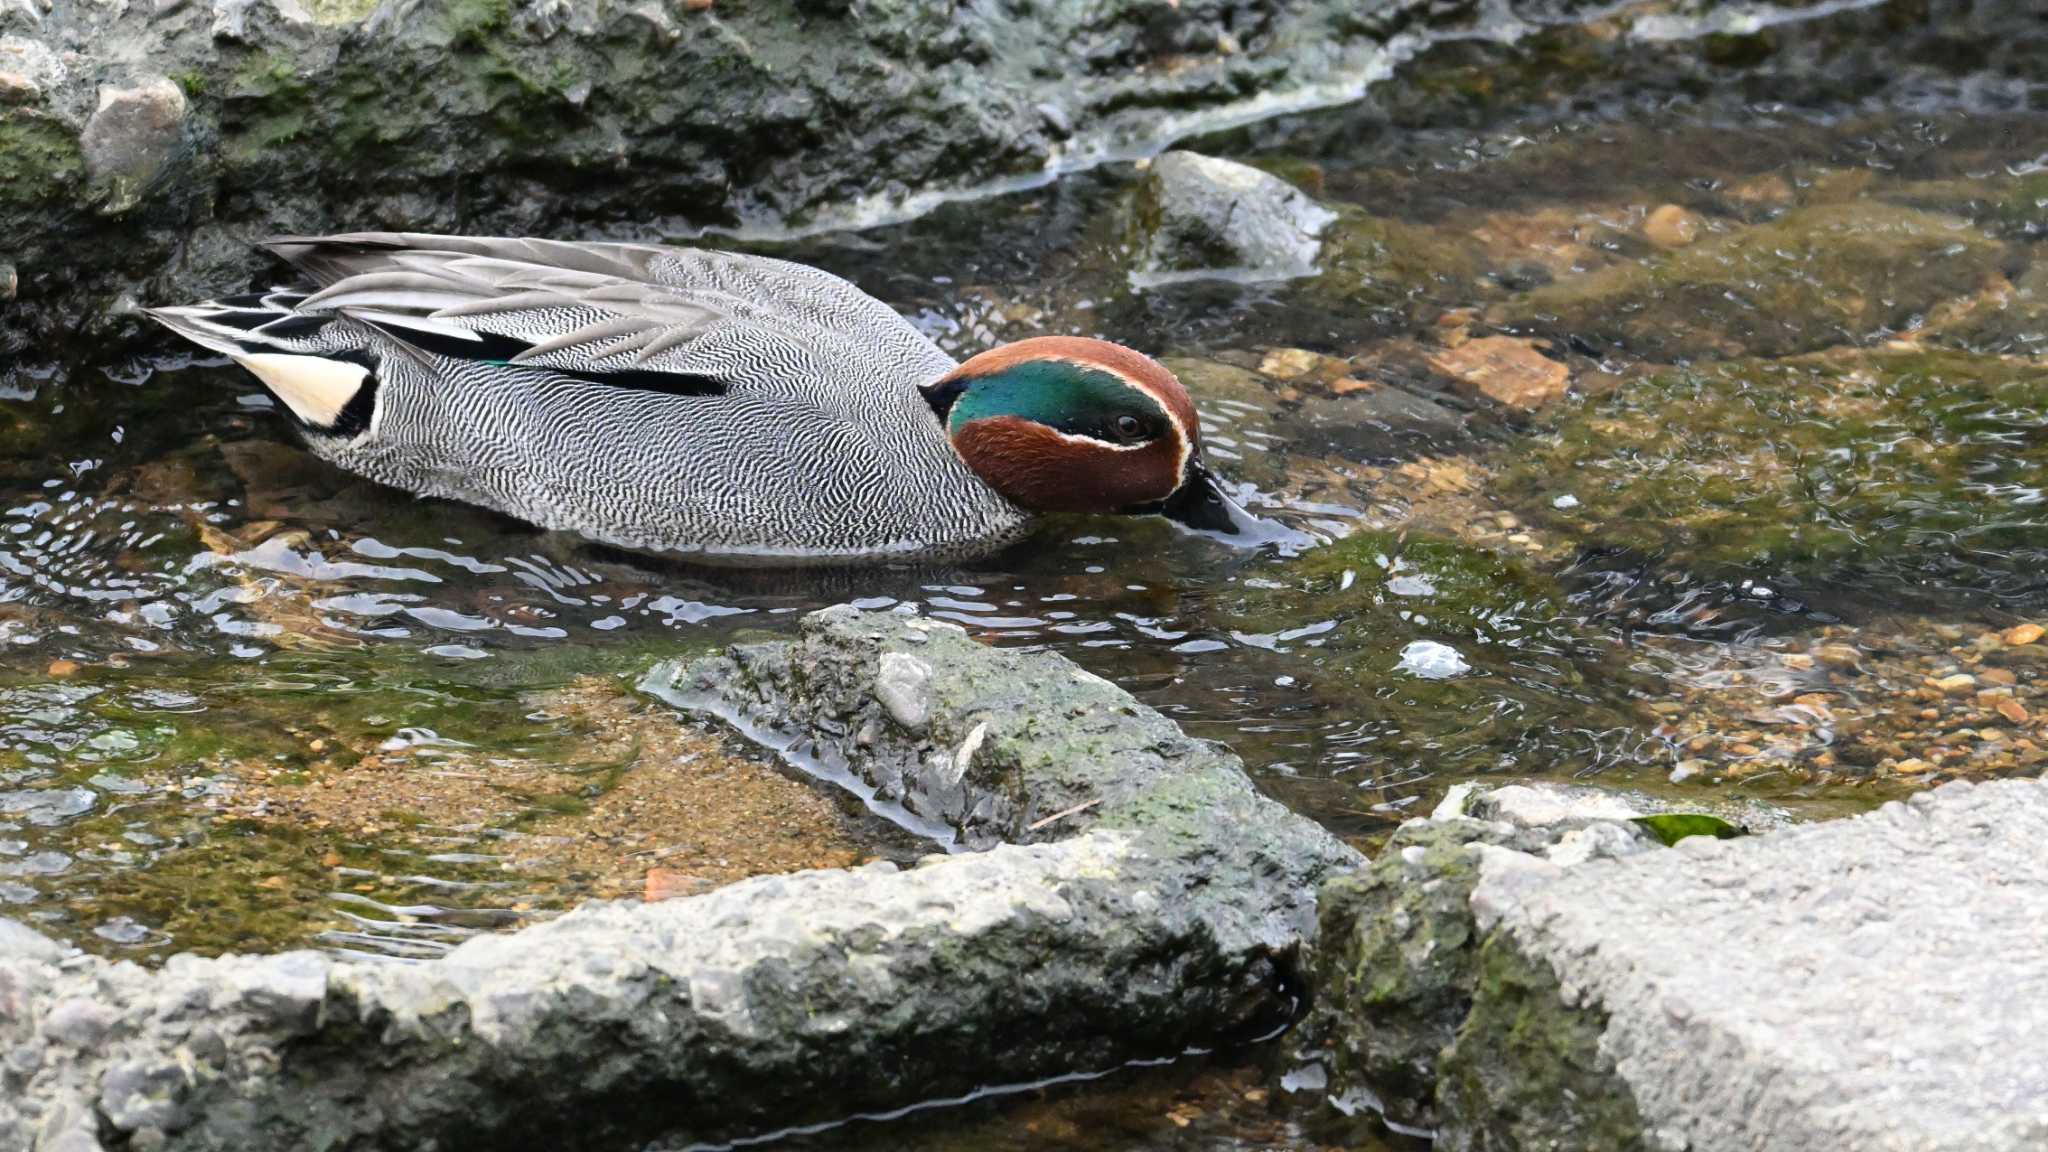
[
  {"x": 1130, "y": 896},
  {"x": 1878, "y": 983}
]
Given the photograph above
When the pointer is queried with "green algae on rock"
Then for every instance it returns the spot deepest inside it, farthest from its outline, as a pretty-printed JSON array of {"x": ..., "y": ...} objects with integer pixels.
[
  {"x": 1381, "y": 262},
  {"x": 1912, "y": 463},
  {"x": 1397, "y": 966},
  {"x": 1813, "y": 278},
  {"x": 1156, "y": 902},
  {"x": 1415, "y": 993},
  {"x": 1526, "y": 1069},
  {"x": 525, "y": 117}
]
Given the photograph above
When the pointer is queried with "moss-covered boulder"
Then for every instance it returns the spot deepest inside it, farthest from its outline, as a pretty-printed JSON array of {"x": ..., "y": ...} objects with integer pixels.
[
  {"x": 1395, "y": 971},
  {"x": 142, "y": 147},
  {"x": 1404, "y": 972},
  {"x": 1380, "y": 262},
  {"x": 1526, "y": 1070}
]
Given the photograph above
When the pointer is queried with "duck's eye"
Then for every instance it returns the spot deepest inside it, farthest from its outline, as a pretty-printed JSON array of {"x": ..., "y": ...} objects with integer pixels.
[{"x": 1128, "y": 428}]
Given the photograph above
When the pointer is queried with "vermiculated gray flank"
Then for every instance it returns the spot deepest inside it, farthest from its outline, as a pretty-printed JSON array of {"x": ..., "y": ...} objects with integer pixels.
[{"x": 716, "y": 405}]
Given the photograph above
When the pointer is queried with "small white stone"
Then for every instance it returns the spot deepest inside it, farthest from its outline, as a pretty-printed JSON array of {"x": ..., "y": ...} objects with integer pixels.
[{"x": 1454, "y": 802}]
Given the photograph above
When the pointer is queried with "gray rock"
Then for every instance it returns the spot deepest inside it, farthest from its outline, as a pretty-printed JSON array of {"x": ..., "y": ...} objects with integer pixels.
[
  {"x": 902, "y": 687},
  {"x": 67, "y": 1126},
  {"x": 1397, "y": 962},
  {"x": 1136, "y": 897},
  {"x": 1874, "y": 983},
  {"x": 1395, "y": 965},
  {"x": 1539, "y": 806},
  {"x": 27, "y": 70},
  {"x": 19, "y": 941},
  {"x": 133, "y": 134},
  {"x": 1198, "y": 216},
  {"x": 1543, "y": 803},
  {"x": 47, "y": 805},
  {"x": 545, "y": 117},
  {"x": 78, "y": 1022},
  {"x": 1545, "y": 978}
]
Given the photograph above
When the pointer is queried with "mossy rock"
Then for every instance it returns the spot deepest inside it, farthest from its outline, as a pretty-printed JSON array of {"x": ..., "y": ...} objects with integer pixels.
[
  {"x": 2009, "y": 317},
  {"x": 1382, "y": 262},
  {"x": 40, "y": 158},
  {"x": 1398, "y": 959},
  {"x": 1916, "y": 463},
  {"x": 1816, "y": 277},
  {"x": 2015, "y": 206},
  {"x": 1526, "y": 1070}
]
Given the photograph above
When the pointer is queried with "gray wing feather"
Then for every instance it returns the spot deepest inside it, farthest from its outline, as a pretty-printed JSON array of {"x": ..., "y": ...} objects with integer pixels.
[{"x": 755, "y": 323}]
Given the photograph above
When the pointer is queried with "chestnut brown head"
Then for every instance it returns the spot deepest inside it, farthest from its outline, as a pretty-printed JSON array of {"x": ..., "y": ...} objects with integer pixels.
[{"x": 1068, "y": 424}]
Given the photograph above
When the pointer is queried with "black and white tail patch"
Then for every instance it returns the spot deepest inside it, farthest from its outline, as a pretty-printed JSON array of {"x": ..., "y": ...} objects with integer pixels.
[{"x": 330, "y": 389}]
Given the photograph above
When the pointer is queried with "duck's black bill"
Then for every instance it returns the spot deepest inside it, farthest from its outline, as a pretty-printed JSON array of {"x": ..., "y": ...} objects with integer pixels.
[{"x": 1200, "y": 504}]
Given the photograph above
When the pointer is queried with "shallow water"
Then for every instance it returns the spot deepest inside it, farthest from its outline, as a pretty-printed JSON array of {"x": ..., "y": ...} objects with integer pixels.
[
  {"x": 1797, "y": 482},
  {"x": 190, "y": 599}
]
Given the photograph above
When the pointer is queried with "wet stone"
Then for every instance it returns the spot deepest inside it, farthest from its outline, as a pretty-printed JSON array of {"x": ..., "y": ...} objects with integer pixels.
[
  {"x": 903, "y": 689},
  {"x": 121, "y": 930},
  {"x": 1200, "y": 216},
  {"x": 28, "y": 69},
  {"x": 1142, "y": 894},
  {"x": 1670, "y": 226},
  {"x": 47, "y": 806},
  {"x": 38, "y": 864},
  {"x": 1508, "y": 372},
  {"x": 131, "y": 137}
]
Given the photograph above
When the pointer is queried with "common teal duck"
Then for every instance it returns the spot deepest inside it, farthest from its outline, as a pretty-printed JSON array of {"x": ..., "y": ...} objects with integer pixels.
[{"x": 721, "y": 407}]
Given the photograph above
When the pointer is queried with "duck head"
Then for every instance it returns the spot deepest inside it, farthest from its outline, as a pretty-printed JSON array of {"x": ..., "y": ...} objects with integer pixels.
[{"x": 1067, "y": 424}]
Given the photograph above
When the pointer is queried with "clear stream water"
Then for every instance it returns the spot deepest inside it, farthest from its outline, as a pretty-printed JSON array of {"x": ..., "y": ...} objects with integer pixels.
[{"x": 1818, "y": 427}]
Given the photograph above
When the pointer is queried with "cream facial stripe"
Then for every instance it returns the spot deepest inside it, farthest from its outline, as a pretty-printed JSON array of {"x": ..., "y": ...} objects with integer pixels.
[{"x": 1180, "y": 434}]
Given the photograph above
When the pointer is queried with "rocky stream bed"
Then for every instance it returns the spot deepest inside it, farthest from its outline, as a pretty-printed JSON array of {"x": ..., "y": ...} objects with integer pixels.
[{"x": 1662, "y": 387}]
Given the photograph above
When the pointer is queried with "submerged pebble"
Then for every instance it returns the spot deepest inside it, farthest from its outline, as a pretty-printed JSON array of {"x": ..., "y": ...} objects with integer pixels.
[
  {"x": 122, "y": 930},
  {"x": 1432, "y": 661}
]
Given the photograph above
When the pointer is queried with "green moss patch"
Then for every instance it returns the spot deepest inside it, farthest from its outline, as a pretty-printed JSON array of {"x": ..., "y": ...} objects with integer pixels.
[
  {"x": 1912, "y": 463},
  {"x": 1526, "y": 1069},
  {"x": 1396, "y": 966},
  {"x": 1815, "y": 277},
  {"x": 39, "y": 158}
]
